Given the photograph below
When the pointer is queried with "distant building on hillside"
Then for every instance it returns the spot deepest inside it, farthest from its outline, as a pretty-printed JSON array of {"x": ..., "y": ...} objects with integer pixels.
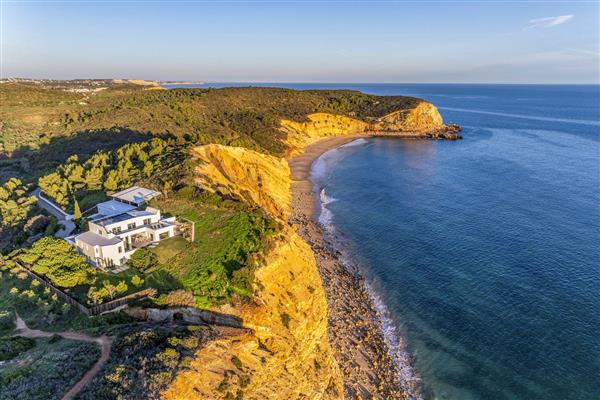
[{"x": 121, "y": 226}]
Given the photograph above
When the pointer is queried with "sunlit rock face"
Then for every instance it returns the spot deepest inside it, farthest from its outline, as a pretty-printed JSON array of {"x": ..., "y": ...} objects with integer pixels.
[
  {"x": 286, "y": 354},
  {"x": 423, "y": 117}
]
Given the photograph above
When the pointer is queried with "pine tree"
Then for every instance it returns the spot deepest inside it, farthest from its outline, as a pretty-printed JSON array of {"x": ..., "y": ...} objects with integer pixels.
[
  {"x": 148, "y": 168},
  {"x": 111, "y": 182},
  {"x": 93, "y": 178},
  {"x": 76, "y": 209}
]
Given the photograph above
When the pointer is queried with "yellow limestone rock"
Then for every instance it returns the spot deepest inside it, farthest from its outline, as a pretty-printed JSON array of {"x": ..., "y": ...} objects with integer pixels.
[
  {"x": 251, "y": 176},
  {"x": 424, "y": 117},
  {"x": 319, "y": 125},
  {"x": 288, "y": 356}
]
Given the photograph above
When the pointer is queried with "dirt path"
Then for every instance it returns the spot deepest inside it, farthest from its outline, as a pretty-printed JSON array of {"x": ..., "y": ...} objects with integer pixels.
[{"x": 104, "y": 342}]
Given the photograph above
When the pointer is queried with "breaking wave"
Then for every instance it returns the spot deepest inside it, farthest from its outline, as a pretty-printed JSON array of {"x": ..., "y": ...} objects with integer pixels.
[{"x": 396, "y": 343}]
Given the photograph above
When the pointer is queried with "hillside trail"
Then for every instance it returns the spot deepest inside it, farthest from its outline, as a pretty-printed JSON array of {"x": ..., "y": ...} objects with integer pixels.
[{"x": 104, "y": 342}]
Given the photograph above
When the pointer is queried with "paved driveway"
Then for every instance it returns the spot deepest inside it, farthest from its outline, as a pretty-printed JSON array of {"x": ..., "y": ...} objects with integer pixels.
[{"x": 69, "y": 226}]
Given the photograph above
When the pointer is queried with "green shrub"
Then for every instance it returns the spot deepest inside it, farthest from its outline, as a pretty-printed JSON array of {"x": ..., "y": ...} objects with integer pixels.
[
  {"x": 143, "y": 259},
  {"x": 237, "y": 362},
  {"x": 285, "y": 320},
  {"x": 7, "y": 322},
  {"x": 54, "y": 338},
  {"x": 13, "y": 346}
]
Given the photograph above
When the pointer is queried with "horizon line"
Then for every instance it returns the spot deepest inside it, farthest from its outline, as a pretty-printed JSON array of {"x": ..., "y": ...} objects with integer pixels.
[{"x": 173, "y": 82}]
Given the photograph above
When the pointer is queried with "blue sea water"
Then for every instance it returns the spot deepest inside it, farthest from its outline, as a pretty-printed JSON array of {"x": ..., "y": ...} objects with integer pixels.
[{"x": 485, "y": 251}]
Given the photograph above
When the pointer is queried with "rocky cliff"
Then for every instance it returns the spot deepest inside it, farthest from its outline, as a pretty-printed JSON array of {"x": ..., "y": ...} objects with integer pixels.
[
  {"x": 286, "y": 354},
  {"x": 254, "y": 177},
  {"x": 421, "y": 119}
]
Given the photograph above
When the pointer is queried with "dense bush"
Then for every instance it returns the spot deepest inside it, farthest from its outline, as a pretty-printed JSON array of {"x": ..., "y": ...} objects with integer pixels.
[
  {"x": 143, "y": 259},
  {"x": 77, "y": 186},
  {"x": 13, "y": 346},
  {"x": 57, "y": 261},
  {"x": 51, "y": 372},
  {"x": 144, "y": 361},
  {"x": 7, "y": 322},
  {"x": 16, "y": 210}
]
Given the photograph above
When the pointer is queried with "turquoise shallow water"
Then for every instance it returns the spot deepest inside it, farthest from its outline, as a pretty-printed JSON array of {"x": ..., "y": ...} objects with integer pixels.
[{"x": 485, "y": 251}]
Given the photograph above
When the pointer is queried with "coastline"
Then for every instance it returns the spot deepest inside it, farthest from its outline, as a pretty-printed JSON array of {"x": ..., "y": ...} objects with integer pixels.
[{"x": 356, "y": 327}]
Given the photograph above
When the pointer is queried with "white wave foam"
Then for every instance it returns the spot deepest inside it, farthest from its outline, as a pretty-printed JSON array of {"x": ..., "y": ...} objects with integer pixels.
[
  {"x": 357, "y": 142},
  {"x": 395, "y": 342},
  {"x": 531, "y": 117},
  {"x": 325, "y": 216},
  {"x": 321, "y": 167}
]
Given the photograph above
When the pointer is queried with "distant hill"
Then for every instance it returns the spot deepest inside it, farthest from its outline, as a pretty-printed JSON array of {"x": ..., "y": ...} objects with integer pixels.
[{"x": 32, "y": 112}]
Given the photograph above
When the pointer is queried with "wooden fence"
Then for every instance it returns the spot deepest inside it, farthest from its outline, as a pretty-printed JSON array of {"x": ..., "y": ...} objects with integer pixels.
[
  {"x": 89, "y": 311},
  {"x": 111, "y": 305}
]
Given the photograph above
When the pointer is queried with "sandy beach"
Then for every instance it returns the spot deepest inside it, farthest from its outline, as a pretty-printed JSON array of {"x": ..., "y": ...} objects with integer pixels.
[{"x": 355, "y": 331}]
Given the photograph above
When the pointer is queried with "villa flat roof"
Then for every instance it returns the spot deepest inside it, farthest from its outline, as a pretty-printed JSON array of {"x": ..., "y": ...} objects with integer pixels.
[
  {"x": 93, "y": 239},
  {"x": 113, "y": 207},
  {"x": 136, "y": 195},
  {"x": 122, "y": 217}
]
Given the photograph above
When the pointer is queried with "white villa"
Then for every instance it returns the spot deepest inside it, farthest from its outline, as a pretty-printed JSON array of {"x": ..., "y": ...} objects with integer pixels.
[{"x": 121, "y": 226}]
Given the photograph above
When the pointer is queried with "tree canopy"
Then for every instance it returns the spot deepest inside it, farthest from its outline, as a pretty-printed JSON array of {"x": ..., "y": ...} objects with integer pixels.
[{"x": 57, "y": 261}]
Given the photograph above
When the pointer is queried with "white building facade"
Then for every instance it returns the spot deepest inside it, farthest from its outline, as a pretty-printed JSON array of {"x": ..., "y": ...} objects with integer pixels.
[{"x": 119, "y": 229}]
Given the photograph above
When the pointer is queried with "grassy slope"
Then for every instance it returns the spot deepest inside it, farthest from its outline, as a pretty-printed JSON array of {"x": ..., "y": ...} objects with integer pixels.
[{"x": 225, "y": 234}]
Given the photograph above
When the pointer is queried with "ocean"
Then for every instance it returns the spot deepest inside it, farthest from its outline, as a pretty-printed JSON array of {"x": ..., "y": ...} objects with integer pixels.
[{"x": 484, "y": 252}]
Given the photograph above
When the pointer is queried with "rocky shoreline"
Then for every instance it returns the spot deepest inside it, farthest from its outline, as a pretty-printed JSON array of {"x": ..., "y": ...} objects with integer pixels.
[{"x": 369, "y": 370}]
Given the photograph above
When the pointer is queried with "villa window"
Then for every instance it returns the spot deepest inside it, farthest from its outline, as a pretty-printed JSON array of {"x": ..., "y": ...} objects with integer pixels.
[
  {"x": 120, "y": 249},
  {"x": 116, "y": 230},
  {"x": 131, "y": 226},
  {"x": 147, "y": 221}
]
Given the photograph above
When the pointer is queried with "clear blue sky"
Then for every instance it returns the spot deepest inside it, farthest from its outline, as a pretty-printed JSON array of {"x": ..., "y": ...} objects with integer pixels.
[{"x": 309, "y": 41}]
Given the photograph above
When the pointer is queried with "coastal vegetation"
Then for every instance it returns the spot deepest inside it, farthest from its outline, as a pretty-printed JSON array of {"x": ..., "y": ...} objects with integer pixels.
[
  {"x": 36, "y": 115},
  {"x": 145, "y": 359},
  {"x": 246, "y": 263},
  {"x": 44, "y": 368},
  {"x": 228, "y": 239},
  {"x": 81, "y": 185},
  {"x": 20, "y": 217}
]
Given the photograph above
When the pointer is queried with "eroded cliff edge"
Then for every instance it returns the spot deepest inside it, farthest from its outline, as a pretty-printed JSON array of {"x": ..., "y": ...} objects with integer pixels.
[{"x": 287, "y": 354}]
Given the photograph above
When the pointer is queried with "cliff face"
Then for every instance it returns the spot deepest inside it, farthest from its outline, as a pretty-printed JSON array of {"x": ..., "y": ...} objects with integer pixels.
[
  {"x": 251, "y": 176},
  {"x": 424, "y": 117},
  {"x": 288, "y": 355}
]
